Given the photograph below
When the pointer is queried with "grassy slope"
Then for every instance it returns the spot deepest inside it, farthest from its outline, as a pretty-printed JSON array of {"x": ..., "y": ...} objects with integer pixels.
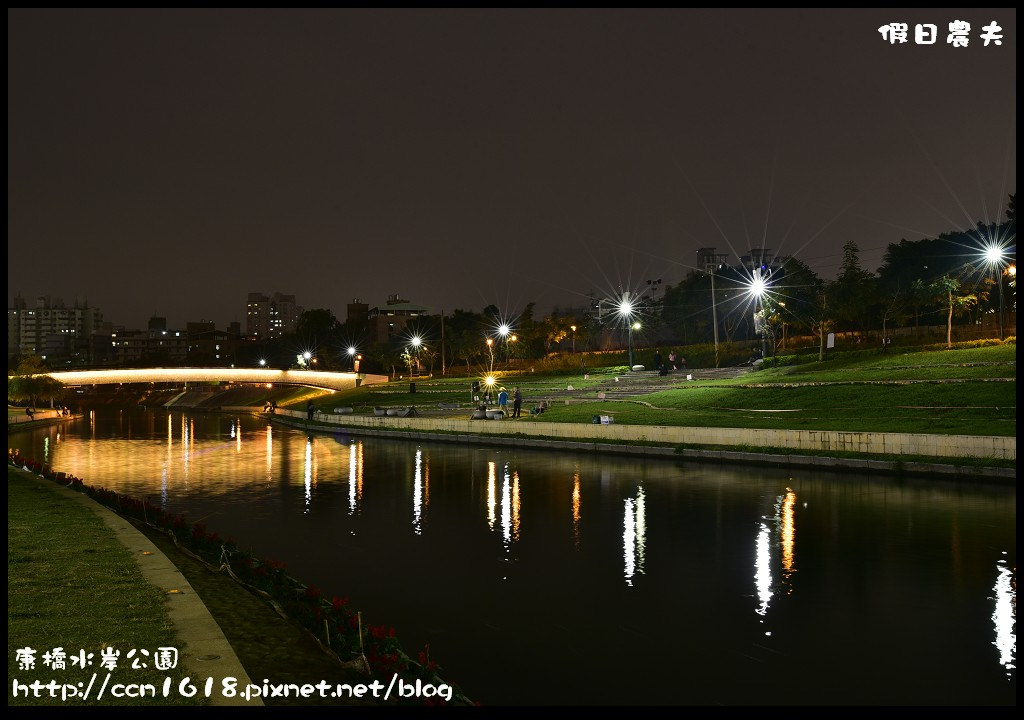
[
  {"x": 974, "y": 408},
  {"x": 71, "y": 584},
  {"x": 981, "y": 400}
]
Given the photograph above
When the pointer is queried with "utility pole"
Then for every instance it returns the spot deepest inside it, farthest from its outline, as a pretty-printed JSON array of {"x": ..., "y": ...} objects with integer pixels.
[{"x": 712, "y": 262}]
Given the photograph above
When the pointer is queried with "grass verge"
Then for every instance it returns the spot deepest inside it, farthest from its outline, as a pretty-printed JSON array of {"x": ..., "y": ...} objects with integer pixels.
[{"x": 72, "y": 585}]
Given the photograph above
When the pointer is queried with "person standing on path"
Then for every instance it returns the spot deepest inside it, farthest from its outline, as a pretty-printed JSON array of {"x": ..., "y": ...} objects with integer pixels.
[
  {"x": 517, "y": 403},
  {"x": 503, "y": 400}
]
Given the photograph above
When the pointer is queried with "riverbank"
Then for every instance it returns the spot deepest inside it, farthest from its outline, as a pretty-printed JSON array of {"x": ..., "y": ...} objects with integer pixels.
[
  {"x": 41, "y": 419},
  {"x": 60, "y": 594},
  {"x": 82, "y": 596},
  {"x": 965, "y": 392},
  {"x": 515, "y": 435}
]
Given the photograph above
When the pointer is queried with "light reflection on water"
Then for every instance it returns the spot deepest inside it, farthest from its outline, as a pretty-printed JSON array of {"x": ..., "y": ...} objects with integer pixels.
[
  {"x": 1005, "y": 616},
  {"x": 889, "y": 606}
]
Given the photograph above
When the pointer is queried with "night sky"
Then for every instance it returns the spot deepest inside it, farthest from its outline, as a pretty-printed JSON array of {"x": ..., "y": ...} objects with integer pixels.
[{"x": 170, "y": 162}]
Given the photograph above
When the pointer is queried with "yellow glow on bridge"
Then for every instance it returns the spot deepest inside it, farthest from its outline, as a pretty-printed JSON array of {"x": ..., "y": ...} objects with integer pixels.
[{"x": 312, "y": 378}]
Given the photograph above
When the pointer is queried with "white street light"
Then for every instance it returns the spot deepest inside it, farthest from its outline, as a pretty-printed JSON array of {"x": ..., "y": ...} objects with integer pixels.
[
  {"x": 994, "y": 257},
  {"x": 993, "y": 254},
  {"x": 625, "y": 310},
  {"x": 758, "y": 288}
]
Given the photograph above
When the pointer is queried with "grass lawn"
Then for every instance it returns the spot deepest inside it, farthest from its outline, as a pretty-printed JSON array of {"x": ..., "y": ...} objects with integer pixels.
[
  {"x": 971, "y": 408},
  {"x": 72, "y": 585},
  {"x": 989, "y": 362},
  {"x": 962, "y": 391}
]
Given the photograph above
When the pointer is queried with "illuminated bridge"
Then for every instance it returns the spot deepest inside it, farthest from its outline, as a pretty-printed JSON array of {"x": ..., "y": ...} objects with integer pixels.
[{"x": 310, "y": 378}]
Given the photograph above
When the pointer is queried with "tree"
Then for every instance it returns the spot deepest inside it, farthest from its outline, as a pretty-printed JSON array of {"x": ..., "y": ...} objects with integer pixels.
[
  {"x": 32, "y": 383},
  {"x": 822, "y": 321},
  {"x": 319, "y": 332},
  {"x": 427, "y": 357},
  {"x": 799, "y": 294},
  {"x": 853, "y": 292},
  {"x": 950, "y": 290},
  {"x": 387, "y": 355},
  {"x": 318, "y": 323},
  {"x": 464, "y": 336},
  {"x": 893, "y": 309}
]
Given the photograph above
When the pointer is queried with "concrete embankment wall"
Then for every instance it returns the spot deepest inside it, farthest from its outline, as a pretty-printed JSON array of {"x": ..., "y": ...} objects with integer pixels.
[
  {"x": 38, "y": 415},
  {"x": 938, "y": 446}
]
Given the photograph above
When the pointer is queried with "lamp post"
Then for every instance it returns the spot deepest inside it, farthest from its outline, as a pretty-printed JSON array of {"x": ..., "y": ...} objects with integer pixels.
[
  {"x": 714, "y": 313},
  {"x": 625, "y": 310},
  {"x": 352, "y": 356},
  {"x": 994, "y": 257},
  {"x": 415, "y": 342},
  {"x": 490, "y": 351},
  {"x": 634, "y": 326},
  {"x": 573, "y": 339},
  {"x": 504, "y": 330},
  {"x": 757, "y": 288}
]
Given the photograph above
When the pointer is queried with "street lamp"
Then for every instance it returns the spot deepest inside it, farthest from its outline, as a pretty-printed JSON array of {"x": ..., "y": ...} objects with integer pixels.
[
  {"x": 352, "y": 355},
  {"x": 505, "y": 330},
  {"x": 625, "y": 310},
  {"x": 994, "y": 257},
  {"x": 634, "y": 326},
  {"x": 416, "y": 341},
  {"x": 758, "y": 287},
  {"x": 573, "y": 339},
  {"x": 263, "y": 362}
]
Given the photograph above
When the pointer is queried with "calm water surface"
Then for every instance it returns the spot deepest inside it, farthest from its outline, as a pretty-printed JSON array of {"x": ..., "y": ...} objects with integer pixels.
[{"x": 541, "y": 577}]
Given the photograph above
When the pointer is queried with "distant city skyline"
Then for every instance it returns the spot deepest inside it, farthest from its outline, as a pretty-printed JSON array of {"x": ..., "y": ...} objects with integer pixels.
[{"x": 169, "y": 162}]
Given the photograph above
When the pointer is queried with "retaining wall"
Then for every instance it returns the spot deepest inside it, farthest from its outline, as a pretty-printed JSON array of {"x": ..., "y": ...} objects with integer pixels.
[{"x": 984, "y": 446}]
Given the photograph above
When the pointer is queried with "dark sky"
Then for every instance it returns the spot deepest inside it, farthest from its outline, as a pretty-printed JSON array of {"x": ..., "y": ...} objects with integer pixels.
[{"x": 170, "y": 162}]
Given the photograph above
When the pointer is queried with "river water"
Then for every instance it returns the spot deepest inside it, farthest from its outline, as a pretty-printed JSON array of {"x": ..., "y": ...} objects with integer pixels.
[{"x": 541, "y": 577}]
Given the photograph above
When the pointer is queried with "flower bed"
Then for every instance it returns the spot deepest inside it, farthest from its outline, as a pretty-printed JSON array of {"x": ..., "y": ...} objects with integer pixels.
[{"x": 340, "y": 631}]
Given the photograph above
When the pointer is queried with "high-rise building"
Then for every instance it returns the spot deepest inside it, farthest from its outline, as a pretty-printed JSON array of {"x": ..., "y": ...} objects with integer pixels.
[
  {"x": 49, "y": 325},
  {"x": 270, "y": 316}
]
